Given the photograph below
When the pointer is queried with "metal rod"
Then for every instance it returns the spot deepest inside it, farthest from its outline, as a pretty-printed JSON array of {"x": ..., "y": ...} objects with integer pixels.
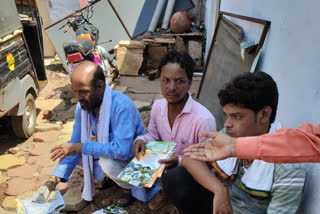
[
  {"x": 156, "y": 15},
  {"x": 168, "y": 13}
]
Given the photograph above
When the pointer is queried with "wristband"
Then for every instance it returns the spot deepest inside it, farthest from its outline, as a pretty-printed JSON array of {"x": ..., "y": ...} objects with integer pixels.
[{"x": 54, "y": 178}]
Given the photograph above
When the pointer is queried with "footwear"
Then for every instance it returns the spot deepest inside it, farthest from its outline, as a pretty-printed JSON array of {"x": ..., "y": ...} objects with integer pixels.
[
  {"x": 174, "y": 211},
  {"x": 157, "y": 201},
  {"x": 125, "y": 198},
  {"x": 106, "y": 183}
]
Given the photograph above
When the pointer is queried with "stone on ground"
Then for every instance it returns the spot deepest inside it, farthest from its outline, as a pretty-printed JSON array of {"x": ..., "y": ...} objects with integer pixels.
[
  {"x": 73, "y": 200},
  {"x": 44, "y": 127},
  {"x": 65, "y": 115},
  {"x": 17, "y": 186},
  {"x": 3, "y": 178},
  {"x": 142, "y": 106},
  {"x": 9, "y": 203},
  {"x": 12, "y": 151},
  {"x": 121, "y": 88},
  {"x": 7, "y": 161},
  {"x": 26, "y": 171}
]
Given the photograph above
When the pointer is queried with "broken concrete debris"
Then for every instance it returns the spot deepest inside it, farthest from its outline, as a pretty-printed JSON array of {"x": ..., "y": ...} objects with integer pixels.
[{"x": 195, "y": 51}]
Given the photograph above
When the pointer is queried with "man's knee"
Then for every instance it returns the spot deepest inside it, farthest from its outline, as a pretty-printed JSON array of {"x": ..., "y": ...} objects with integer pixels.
[
  {"x": 111, "y": 167},
  {"x": 169, "y": 178},
  {"x": 175, "y": 181}
]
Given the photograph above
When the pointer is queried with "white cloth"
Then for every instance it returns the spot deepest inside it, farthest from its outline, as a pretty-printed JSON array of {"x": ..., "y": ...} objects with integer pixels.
[
  {"x": 103, "y": 137},
  {"x": 259, "y": 176}
]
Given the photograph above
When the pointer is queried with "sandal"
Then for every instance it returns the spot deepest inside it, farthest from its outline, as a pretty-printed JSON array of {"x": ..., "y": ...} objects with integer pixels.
[
  {"x": 157, "y": 201},
  {"x": 125, "y": 198}
]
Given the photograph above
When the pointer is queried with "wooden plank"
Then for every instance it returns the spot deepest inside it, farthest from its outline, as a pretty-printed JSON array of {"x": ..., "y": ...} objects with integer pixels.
[
  {"x": 132, "y": 44},
  {"x": 165, "y": 40}
]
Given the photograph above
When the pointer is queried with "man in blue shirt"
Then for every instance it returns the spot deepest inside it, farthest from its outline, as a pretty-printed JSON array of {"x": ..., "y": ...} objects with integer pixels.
[{"x": 106, "y": 123}]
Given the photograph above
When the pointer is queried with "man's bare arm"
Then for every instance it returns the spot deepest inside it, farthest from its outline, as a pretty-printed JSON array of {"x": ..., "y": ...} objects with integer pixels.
[
  {"x": 283, "y": 146},
  {"x": 220, "y": 147},
  {"x": 204, "y": 176}
]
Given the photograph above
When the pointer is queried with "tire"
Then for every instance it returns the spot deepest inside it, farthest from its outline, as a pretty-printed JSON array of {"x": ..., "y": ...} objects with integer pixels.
[{"x": 23, "y": 126}]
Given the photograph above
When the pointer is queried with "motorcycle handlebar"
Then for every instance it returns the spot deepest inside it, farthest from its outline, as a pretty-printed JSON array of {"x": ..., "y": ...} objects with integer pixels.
[
  {"x": 66, "y": 28},
  {"x": 80, "y": 18}
]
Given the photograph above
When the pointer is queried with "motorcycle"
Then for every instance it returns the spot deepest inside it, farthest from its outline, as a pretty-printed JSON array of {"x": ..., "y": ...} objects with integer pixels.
[{"x": 86, "y": 46}]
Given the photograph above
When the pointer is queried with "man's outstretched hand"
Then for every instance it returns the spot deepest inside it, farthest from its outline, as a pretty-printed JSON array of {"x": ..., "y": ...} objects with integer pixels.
[
  {"x": 222, "y": 146},
  {"x": 173, "y": 161},
  {"x": 65, "y": 149}
]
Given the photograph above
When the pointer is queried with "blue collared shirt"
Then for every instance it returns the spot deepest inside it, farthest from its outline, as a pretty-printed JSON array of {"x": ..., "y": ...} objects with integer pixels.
[{"x": 125, "y": 126}]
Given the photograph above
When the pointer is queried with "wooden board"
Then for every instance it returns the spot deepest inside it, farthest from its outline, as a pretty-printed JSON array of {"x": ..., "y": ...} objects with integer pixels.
[{"x": 225, "y": 61}]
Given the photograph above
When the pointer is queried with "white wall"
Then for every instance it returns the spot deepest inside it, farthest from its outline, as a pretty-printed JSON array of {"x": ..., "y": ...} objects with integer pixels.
[
  {"x": 291, "y": 55},
  {"x": 211, "y": 15},
  {"x": 59, "y": 9}
]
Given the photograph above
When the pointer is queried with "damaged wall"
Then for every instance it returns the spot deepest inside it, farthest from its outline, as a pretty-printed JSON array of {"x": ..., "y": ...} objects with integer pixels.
[{"x": 291, "y": 56}]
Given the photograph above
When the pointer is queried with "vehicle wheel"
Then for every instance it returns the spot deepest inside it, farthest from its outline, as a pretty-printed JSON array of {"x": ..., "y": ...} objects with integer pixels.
[{"x": 23, "y": 126}]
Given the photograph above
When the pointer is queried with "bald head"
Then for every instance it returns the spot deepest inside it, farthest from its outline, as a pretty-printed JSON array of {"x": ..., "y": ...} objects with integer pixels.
[
  {"x": 84, "y": 72},
  {"x": 88, "y": 83}
]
